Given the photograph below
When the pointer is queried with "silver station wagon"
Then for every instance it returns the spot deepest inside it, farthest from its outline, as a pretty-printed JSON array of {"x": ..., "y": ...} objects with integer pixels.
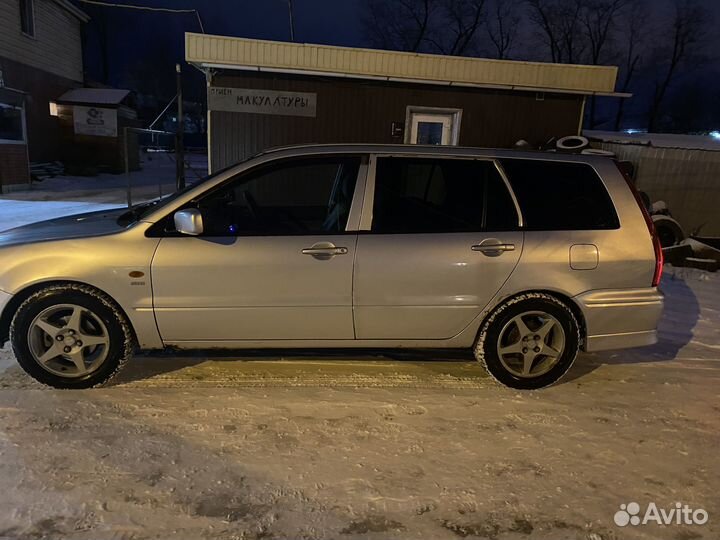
[{"x": 523, "y": 257}]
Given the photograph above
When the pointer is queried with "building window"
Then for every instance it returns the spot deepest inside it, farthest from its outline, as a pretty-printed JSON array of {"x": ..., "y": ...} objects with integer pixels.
[
  {"x": 27, "y": 17},
  {"x": 432, "y": 125},
  {"x": 11, "y": 123}
]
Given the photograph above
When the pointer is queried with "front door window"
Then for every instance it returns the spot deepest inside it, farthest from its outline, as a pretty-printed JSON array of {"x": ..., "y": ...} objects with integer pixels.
[{"x": 298, "y": 196}]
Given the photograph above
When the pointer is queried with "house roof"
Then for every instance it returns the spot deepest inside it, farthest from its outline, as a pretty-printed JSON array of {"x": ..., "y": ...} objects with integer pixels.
[
  {"x": 222, "y": 52},
  {"x": 95, "y": 96},
  {"x": 73, "y": 10}
]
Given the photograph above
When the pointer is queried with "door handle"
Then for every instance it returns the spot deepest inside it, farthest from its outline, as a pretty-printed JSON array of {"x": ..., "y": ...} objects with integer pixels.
[
  {"x": 493, "y": 249},
  {"x": 325, "y": 251}
]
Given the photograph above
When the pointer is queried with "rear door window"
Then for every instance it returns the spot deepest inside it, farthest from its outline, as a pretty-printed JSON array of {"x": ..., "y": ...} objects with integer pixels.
[
  {"x": 429, "y": 195},
  {"x": 560, "y": 196}
]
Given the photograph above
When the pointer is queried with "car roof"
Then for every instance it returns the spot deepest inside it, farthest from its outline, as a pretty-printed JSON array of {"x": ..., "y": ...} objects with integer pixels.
[{"x": 416, "y": 149}]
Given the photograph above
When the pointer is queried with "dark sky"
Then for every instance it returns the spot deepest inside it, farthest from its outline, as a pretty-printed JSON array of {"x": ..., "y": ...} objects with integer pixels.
[
  {"x": 333, "y": 22},
  {"x": 143, "y": 44},
  {"x": 135, "y": 35}
]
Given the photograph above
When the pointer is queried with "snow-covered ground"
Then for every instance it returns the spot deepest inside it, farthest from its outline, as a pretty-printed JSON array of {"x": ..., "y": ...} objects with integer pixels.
[
  {"x": 65, "y": 195},
  {"x": 370, "y": 446},
  {"x": 156, "y": 176}
]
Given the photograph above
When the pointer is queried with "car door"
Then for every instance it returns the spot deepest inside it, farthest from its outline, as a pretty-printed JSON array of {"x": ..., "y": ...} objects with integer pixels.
[
  {"x": 274, "y": 261},
  {"x": 443, "y": 238}
]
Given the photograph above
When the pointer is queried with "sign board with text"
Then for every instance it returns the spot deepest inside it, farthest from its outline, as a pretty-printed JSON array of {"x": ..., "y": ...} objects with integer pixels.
[
  {"x": 262, "y": 101},
  {"x": 97, "y": 121}
]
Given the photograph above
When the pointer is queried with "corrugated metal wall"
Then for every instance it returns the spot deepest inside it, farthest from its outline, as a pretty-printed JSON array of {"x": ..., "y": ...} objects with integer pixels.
[
  {"x": 687, "y": 180},
  {"x": 356, "y": 111},
  {"x": 202, "y": 48}
]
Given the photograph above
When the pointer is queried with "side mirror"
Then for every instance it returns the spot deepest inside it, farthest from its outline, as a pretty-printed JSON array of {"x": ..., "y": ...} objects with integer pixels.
[{"x": 189, "y": 222}]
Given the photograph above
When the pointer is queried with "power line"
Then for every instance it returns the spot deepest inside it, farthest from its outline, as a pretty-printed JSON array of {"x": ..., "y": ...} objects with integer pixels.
[{"x": 147, "y": 8}]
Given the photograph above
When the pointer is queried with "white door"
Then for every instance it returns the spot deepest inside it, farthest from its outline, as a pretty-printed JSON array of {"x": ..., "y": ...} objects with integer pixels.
[{"x": 430, "y": 128}]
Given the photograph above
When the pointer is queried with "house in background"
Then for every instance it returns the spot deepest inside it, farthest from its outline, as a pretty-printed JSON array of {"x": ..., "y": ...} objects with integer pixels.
[{"x": 40, "y": 59}]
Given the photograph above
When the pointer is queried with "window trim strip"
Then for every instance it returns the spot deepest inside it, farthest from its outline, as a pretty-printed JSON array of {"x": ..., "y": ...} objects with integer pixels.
[
  {"x": 358, "y": 199},
  {"x": 503, "y": 175}
]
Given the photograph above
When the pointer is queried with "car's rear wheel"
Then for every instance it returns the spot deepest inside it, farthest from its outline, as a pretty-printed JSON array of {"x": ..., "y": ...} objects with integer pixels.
[
  {"x": 529, "y": 341},
  {"x": 70, "y": 336}
]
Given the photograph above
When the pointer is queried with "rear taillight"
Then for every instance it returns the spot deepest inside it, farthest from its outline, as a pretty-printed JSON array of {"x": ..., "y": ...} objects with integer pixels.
[
  {"x": 657, "y": 247},
  {"x": 659, "y": 258}
]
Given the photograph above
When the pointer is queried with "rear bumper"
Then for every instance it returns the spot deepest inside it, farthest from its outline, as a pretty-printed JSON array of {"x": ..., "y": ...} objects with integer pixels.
[
  {"x": 620, "y": 341},
  {"x": 618, "y": 319}
]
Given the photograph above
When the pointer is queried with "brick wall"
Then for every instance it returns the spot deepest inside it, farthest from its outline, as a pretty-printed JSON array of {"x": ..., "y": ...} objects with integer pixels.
[{"x": 13, "y": 165}]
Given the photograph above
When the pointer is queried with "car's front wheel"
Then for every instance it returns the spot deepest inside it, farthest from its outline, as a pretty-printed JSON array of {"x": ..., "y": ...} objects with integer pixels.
[
  {"x": 70, "y": 336},
  {"x": 529, "y": 342}
]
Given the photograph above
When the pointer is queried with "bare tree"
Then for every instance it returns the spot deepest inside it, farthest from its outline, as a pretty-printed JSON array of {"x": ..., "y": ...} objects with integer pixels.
[
  {"x": 398, "y": 24},
  {"x": 635, "y": 31},
  {"x": 463, "y": 19},
  {"x": 559, "y": 22},
  {"x": 598, "y": 18},
  {"x": 502, "y": 26},
  {"x": 542, "y": 15},
  {"x": 686, "y": 31},
  {"x": 572, "y": 39},
  {"x": 446, "y": 26}
]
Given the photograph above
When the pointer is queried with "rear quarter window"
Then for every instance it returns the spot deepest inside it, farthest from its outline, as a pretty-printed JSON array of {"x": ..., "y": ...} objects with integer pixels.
[{"x": 560, "y": 196}]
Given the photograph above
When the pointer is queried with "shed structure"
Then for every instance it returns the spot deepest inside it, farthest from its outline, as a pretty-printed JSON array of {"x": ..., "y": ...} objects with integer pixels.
[
  {"x": 262, "y": 94},
  {"x": 91, "y": 125}
]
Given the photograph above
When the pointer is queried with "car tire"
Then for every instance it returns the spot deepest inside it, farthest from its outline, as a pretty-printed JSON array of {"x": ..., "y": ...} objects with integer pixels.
[
  {"x": 54, "y": 321},
  {"x": 508, "y": 345}
]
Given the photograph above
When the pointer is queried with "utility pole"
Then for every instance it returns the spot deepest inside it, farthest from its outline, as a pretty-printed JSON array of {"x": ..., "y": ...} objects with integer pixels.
[
  {"x": 292, "y": 24},
  {"x": 180, "y": 128}
]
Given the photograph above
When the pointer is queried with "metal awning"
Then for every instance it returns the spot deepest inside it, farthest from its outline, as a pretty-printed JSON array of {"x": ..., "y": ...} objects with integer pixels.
[
  {"x": 230, "y": 53},
  {"x": 94, "y": 96}
]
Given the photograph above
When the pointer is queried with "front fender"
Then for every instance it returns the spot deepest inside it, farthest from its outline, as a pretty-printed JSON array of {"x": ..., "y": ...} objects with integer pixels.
[{"x": 104, "y": 262}]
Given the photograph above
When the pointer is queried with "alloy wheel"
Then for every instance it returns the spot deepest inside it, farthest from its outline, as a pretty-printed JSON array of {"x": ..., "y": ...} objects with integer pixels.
[
  {"x": 68, "y": 340},
  {"x": 531, "y": 344}
]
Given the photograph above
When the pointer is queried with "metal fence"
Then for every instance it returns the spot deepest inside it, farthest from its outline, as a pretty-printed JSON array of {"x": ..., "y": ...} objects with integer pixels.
[
  {"x": 687, "y": 180},
  {"x": 151, "y": 166}
]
